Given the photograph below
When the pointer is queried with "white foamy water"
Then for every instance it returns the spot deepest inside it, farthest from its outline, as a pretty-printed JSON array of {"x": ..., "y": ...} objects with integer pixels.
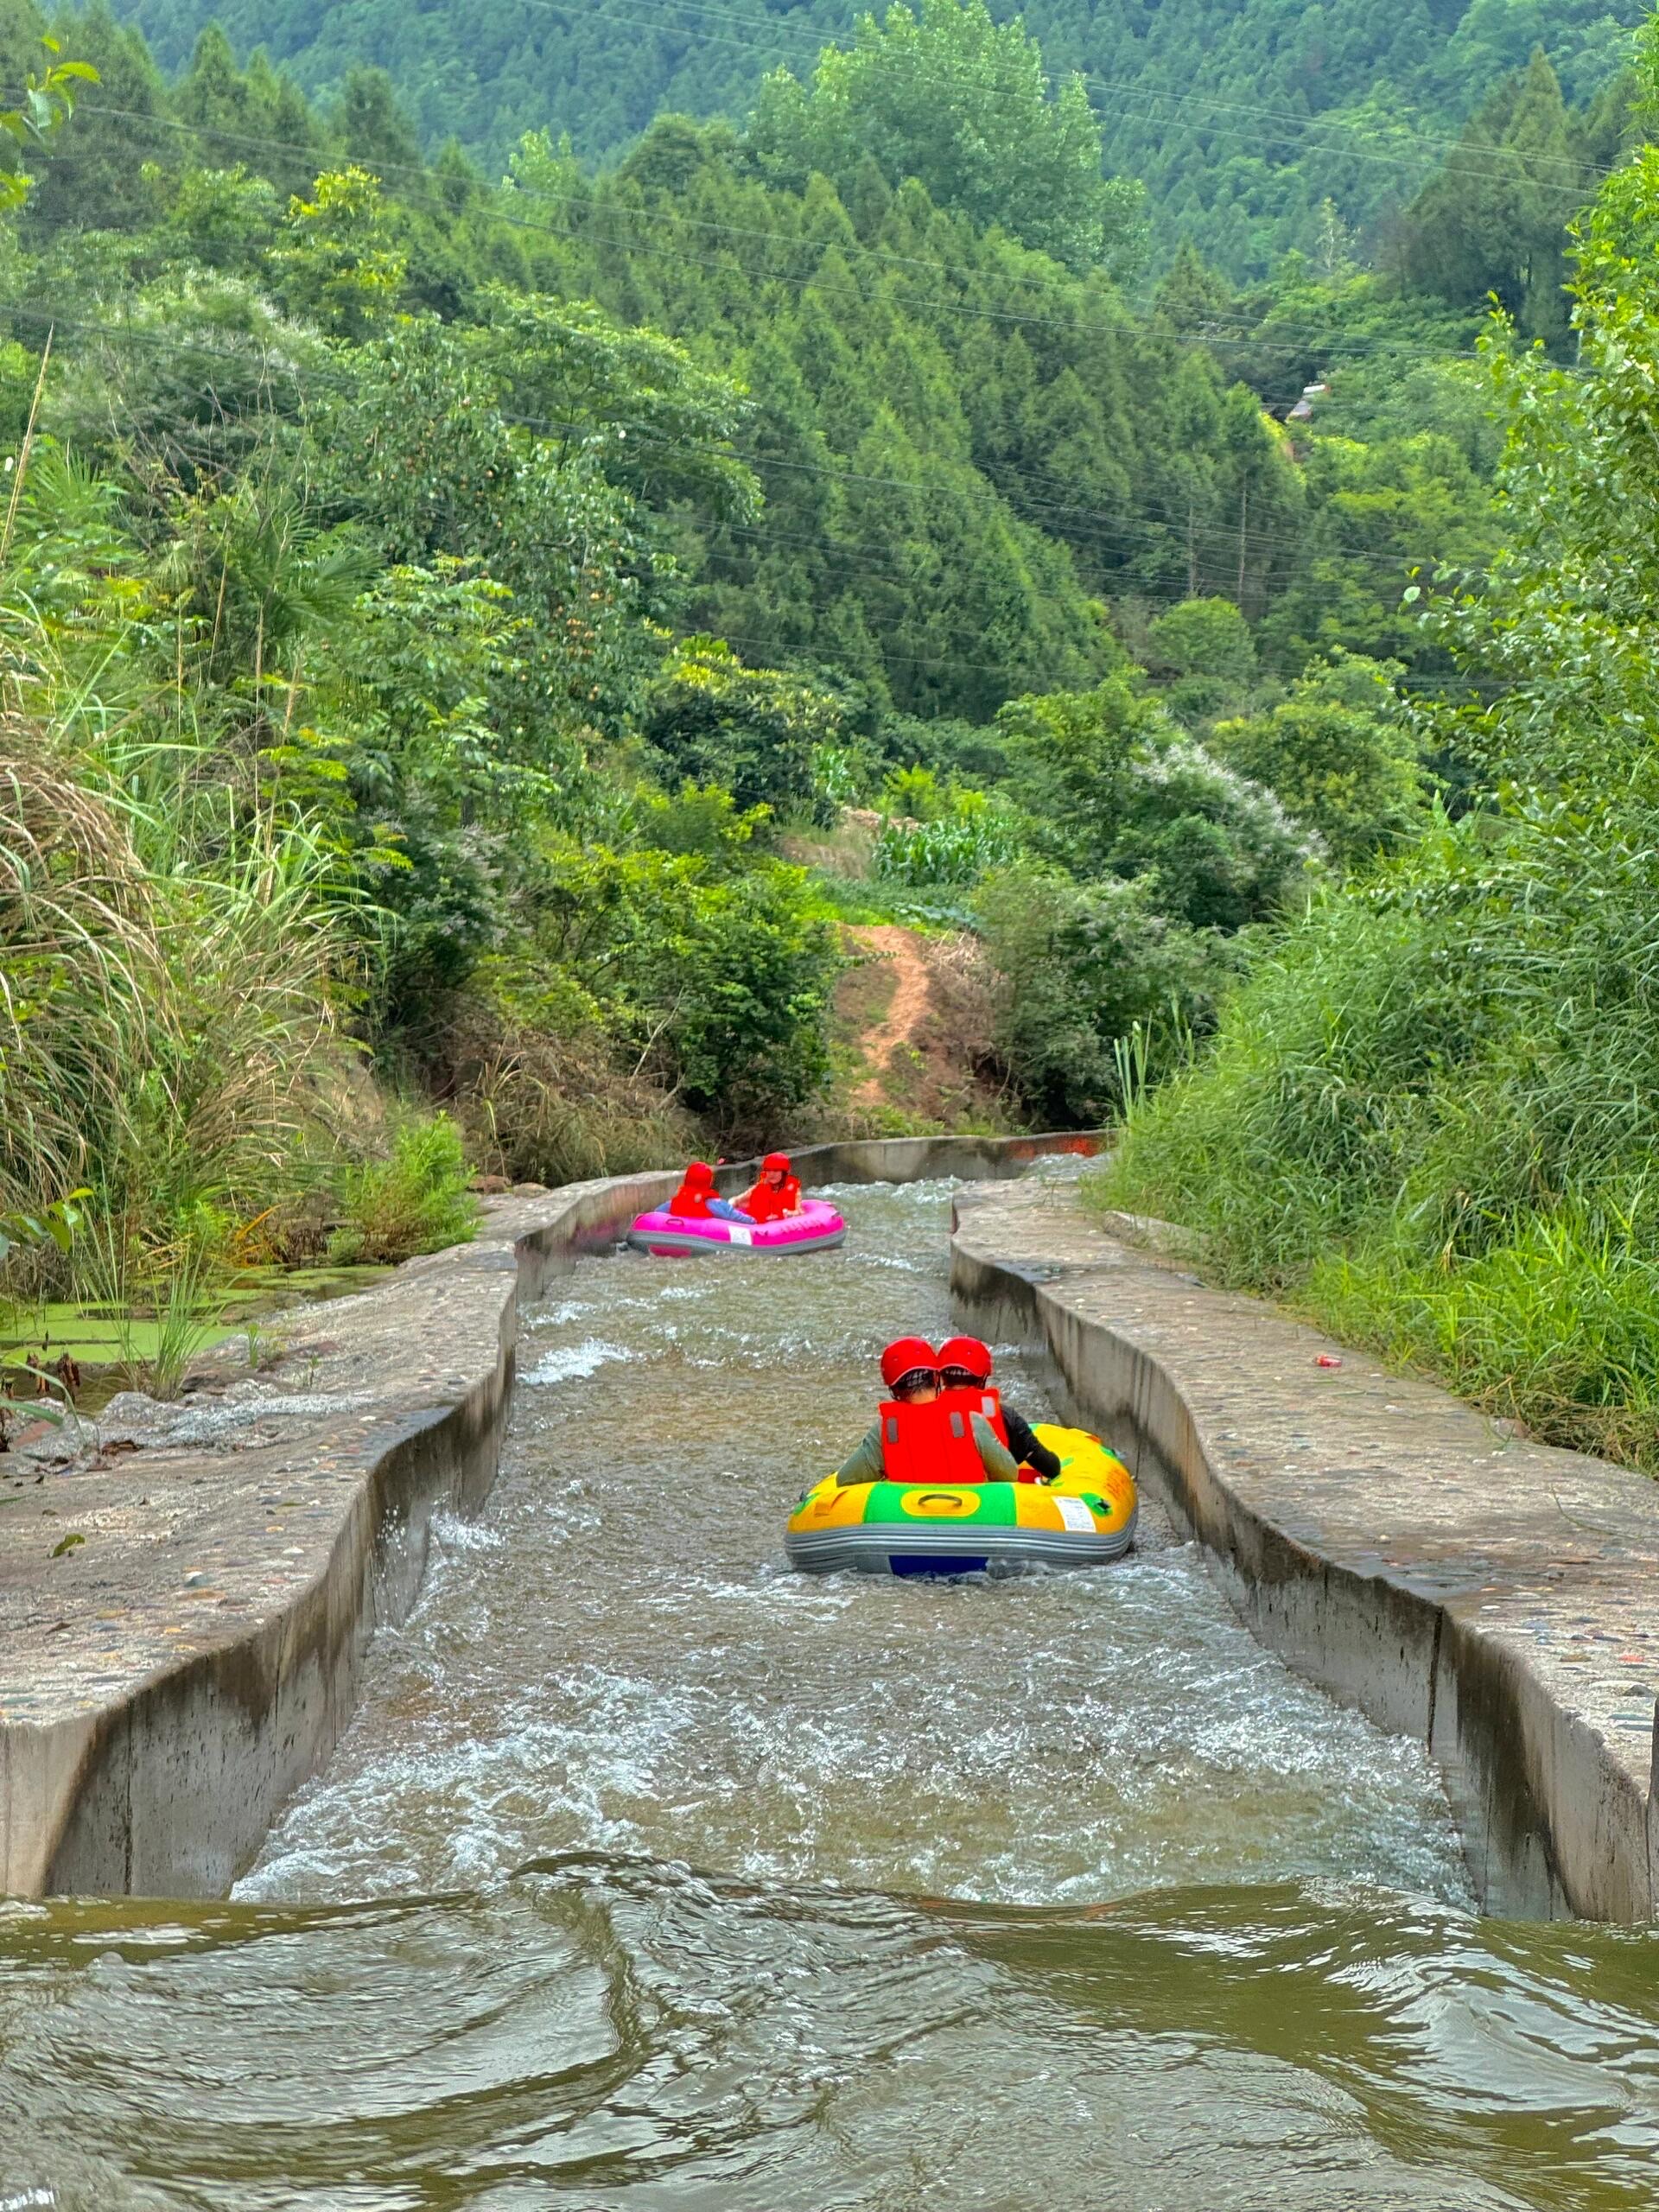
[{"x": 573, "y": 1362}]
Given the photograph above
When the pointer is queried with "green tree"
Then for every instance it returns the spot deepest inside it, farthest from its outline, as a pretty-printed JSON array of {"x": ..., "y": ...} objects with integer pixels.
[
  {"x": 1204, "y": 637},
  {"x": 1495, "y": 220},
  {"x": 960, "y": 102},
  {"x": 752, "y": 730},
  {"x": 1106, "y": 786},
  {"x": 720, "y": 979},
  {"x": 219, "y": 218},
  {"x": 1339, "y": 752},
  {"x": 1080, "y": 966},
  {"x": 340, "y": 268},
  {"x": 1307, "y": 104}
]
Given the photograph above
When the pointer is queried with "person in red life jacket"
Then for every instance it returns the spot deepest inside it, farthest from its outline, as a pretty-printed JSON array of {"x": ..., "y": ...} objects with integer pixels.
[
  {"x": 775, "y": 1193},
  {"x": 696, "y": 1198},
  {"x": 965, "y": 1374},
  {"x": 917, "y": 1438}
]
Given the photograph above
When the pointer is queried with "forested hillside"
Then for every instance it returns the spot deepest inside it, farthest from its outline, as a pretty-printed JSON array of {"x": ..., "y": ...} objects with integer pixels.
[
  {"x": 1242, "y": 117},
  {"x": 503, "y": 645},
  {"x": 1429, "y": 1117}
]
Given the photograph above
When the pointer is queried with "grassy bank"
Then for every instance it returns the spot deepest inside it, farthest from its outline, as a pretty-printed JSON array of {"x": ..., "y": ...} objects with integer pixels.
[{"x": 1428, "y": 1124}]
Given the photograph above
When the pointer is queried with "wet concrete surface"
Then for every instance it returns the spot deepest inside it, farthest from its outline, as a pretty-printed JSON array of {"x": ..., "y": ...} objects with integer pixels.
[{"x": 186, "y": 1590}]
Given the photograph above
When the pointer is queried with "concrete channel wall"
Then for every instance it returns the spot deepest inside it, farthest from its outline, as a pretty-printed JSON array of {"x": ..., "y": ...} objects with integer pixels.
[
  {"x": 186, "y": 1606},
  {"x": 1491, "y": 1597}
]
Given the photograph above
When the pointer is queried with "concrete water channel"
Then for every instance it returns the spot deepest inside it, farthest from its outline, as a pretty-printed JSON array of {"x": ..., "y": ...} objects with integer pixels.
[{"x": 633, "y": 1871}]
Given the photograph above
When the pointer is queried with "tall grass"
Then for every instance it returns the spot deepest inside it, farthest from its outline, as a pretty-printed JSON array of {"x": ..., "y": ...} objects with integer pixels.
[
  {"x": 170, "y": 946},
  {"x": 83, "y": 1010},
  {"x": 414, "y": 1200},
  {"x": 543, "y": 1107},
  {"x": 166, "y": 1304},
  {"x": 1431, "y": 1120}
]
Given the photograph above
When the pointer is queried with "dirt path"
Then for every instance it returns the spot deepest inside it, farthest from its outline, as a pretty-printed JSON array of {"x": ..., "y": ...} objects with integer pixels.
[{"x": 906, "y": 1011}]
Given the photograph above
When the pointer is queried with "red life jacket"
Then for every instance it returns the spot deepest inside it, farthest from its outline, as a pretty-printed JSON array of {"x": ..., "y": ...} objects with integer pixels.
[
  {"x": 983, "y": 1400},
  {"x": 935, "y": 1443},
  {"x": 690, "y": 1201},
  {"x": 764, "y": 1204}
]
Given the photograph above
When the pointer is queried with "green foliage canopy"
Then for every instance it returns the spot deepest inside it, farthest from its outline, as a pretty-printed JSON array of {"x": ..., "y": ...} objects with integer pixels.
[
  {"x": 960, "y": 102},
  {"x": 1430, "y": 1115}
]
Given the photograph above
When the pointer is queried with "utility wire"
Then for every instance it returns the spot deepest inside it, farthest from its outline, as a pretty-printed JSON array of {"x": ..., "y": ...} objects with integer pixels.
[
  {"x": 771, "y": 34},
  {"x": 1319, "y": 338},
  {"x": 1089, "y": 524}
]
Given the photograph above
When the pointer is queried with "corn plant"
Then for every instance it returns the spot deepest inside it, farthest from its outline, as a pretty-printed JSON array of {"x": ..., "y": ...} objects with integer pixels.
[{"x": 958, "y": 851}]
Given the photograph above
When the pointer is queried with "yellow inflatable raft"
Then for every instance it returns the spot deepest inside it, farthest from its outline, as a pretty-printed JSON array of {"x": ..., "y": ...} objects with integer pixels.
[{"x": 1084, "y": 1519}]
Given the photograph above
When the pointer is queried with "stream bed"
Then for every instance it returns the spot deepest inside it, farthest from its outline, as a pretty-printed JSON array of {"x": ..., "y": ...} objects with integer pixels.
[{"x": 649, "y": 1874}]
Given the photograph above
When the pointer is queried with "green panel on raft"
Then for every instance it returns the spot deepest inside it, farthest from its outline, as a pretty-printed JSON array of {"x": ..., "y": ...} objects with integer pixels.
[{"x": 985, "y": 1505}]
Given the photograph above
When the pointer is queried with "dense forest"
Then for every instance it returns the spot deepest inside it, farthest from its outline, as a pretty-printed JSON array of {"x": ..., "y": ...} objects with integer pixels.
[
  {"x": 474, "y": 642},
  {"x": 1242, "y": 117}
]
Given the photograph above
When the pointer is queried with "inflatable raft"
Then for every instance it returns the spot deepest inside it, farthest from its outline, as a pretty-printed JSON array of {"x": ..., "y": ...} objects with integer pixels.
[
  {"x": 816, "y": 1228},
  {"x": 1085, "y": 1519}
]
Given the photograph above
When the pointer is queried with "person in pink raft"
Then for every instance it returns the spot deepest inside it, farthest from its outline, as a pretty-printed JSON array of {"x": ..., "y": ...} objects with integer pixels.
[
  {"x": 775, "y": 1193},
  {"x": 696, "y": 1200}
]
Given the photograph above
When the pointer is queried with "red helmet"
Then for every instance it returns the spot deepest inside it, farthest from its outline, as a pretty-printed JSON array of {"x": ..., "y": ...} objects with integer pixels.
[
  {"x": 775, "y": 1161},
  {"x": 906, "y": 1355},
  {"x": 968, "y": 1352},
  {"x": 699, "y": 1176}
]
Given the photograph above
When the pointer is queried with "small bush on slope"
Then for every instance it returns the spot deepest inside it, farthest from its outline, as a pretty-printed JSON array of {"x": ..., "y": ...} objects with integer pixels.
[{"x": 416, "y": 1200}]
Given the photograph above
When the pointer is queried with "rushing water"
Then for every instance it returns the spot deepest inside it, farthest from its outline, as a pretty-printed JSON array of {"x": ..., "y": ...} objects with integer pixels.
[{"x": 650, "y": 1874}]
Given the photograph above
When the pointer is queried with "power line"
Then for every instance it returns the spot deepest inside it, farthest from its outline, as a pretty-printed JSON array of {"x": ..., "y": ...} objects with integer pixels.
[
  {"x": 1088, "y": 524},
  {"x": 1121, "y": 88},
  {"x": 1318, "y": 337},
  {"x": 1051, "y": 78}
]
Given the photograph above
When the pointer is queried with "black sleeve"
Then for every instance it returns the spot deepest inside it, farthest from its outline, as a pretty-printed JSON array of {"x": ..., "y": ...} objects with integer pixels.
[{"x": 1028, "y": 1448}]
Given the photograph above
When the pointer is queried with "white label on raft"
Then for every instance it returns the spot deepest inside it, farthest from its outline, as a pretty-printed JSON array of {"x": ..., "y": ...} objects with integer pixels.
[
  {"x": 1076, "y": 1514},
  {"x": 736, "y": 1235}
]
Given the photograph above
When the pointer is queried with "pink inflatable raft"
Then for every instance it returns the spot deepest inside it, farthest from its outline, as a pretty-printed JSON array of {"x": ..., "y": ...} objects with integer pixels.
[{"x": 816, "y": 1228}]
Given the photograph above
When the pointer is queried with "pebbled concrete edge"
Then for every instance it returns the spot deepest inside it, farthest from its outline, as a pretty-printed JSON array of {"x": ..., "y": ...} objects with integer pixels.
[
  {"x": 169, "y": 1787},
  {"x": 1554, "y": 1826}
]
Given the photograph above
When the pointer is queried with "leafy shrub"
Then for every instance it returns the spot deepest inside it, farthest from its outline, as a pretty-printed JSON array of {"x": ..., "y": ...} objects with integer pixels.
[
  {"x": 1339, "y": 754},
  {"x": 718, "y": 980},
  {"x": 700, "y": 818},
  {"x": 915, "y": 794},
  {"x": 760, "y": 734},
  {"x": 1206, "y": 638},
  {"x": 1109, "y": 786},
  {"x": 416, "y": 1200},
  {"x": 1221, "y": 849},
  {"x": 1080, "y": 966}
]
